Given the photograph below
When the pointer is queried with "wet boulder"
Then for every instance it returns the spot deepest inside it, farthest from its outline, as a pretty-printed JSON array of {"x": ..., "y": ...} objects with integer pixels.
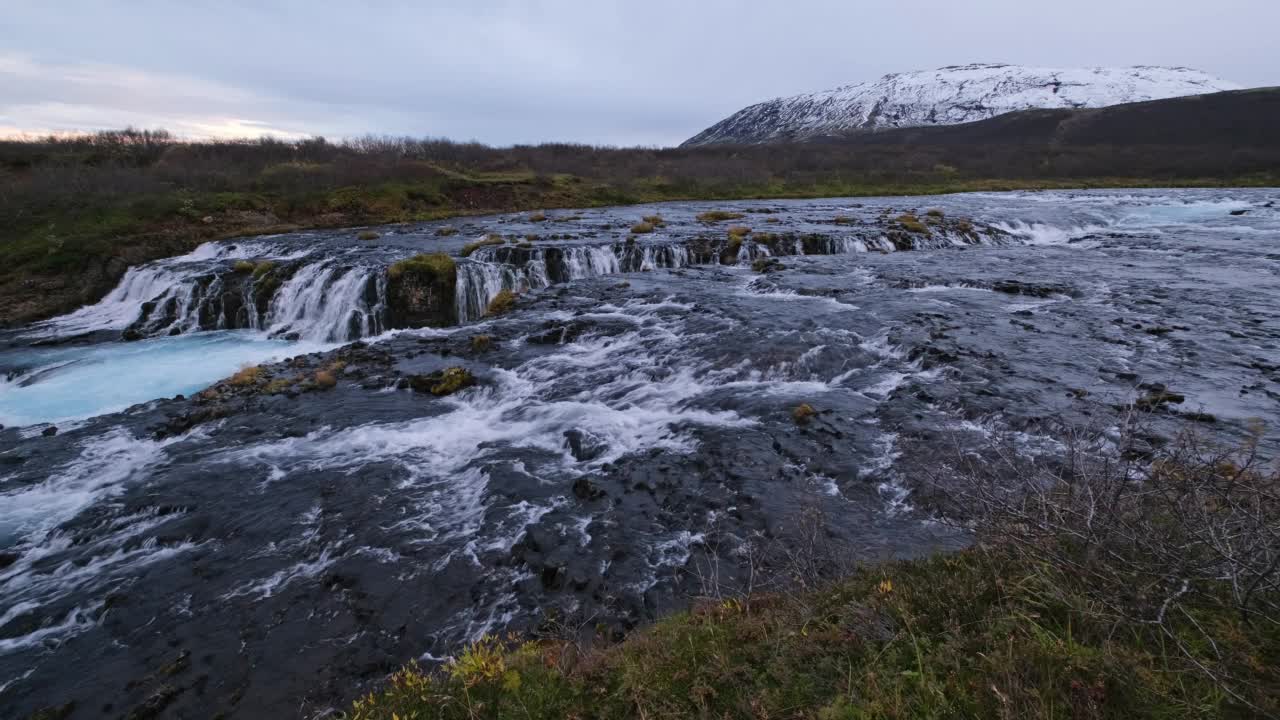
[
  {"x": 585, "y": 490},
  {"x": 767, "y": 265},
  {"x": 1039, "y": 290},
  {"x": 443, "y": 382},
  {"x": 583, "y": 445}
]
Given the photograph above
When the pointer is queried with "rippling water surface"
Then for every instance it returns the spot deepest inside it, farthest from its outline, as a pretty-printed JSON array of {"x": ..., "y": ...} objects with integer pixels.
[{"x": 632, "y": 418}]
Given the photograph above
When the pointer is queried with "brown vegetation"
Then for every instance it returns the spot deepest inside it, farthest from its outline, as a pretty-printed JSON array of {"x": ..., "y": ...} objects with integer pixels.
[
  {"x": 501, "y": 304},
  {"x": 715, "y": 216},
  {"x": 247, "y": 375},
  {"x": 802, "y": 413},
  {"x": 490, "y": 239}
]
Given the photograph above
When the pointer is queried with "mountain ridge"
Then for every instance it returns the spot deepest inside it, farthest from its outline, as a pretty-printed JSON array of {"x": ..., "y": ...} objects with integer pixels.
[{"x": 952, "y": 95}]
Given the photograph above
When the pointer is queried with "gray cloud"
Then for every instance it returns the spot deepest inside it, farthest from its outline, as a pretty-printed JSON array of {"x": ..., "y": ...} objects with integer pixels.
[{"x": 589, "y": 71}]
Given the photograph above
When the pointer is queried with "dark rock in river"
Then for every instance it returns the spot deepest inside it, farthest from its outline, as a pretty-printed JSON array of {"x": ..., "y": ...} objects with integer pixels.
[{"x": 418, "y": 297}]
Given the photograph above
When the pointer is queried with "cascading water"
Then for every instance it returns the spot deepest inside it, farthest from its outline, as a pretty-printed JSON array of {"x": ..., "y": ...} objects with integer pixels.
[
  {"x": 326, "y": 302},
  {"x": 121, "y": 307},
  {"x": 491, "y": 270}
]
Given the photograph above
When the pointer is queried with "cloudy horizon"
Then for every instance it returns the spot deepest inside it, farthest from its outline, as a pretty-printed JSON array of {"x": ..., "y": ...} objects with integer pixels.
[{"x": 504, "y": 72}]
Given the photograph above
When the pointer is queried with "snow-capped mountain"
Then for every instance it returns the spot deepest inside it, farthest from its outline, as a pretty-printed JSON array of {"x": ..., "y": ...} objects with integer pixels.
[{"x": 952, "y": 95}]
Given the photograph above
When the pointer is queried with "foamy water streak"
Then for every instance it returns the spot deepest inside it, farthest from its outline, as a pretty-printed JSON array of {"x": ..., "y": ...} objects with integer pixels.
[{"x": 81, "y": 565}]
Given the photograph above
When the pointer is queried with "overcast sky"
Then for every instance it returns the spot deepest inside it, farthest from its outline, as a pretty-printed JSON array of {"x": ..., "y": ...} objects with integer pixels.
[{"x": 649, "y": 72}]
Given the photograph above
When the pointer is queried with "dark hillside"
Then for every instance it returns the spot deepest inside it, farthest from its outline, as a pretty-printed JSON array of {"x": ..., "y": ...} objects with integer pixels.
[{"x": 1236, "y": 119}]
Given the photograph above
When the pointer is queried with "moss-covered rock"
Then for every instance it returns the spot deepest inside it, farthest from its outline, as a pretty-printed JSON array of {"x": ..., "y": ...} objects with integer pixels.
[
  {"x": 803, "y": 413},
  {"x": 490, "y": 239},
  {"x": 715, "y": 216},
  {"x": 912, "y": 224},
  {"x": 420, "y": 291},
  {"x": 501, "y": 304},
  {"x": 767, "y": 265},
  {"x": 445, "y": 382},
  {"x": 325, "y": 380}
]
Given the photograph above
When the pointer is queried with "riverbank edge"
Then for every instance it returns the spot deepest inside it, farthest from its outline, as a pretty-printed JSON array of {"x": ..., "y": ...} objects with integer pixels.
[
  {"x": 59, "y": 261},
  {"x": 979, "y": 633}
]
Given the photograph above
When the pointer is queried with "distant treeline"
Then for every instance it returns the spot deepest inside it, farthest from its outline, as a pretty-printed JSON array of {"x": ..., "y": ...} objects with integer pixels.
[{"x": 58, "y": 170}]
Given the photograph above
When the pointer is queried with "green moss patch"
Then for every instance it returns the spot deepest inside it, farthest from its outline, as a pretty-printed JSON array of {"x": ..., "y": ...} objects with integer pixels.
[
  {"x": 436, "y": 267},
  {"x": 487, "y": 240}
]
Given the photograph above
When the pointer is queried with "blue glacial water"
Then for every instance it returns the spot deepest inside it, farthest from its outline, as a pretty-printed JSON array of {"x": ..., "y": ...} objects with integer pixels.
[{"x": 69, "y": 383}]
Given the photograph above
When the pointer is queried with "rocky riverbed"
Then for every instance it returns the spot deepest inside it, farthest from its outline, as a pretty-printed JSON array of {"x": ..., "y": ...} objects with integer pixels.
[{"x": 396, "y": 470}]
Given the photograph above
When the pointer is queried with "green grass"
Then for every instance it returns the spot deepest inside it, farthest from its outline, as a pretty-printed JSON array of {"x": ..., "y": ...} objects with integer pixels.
[
  {"x": 974, "y": 634},
  {"x": 437, "y": 268}
]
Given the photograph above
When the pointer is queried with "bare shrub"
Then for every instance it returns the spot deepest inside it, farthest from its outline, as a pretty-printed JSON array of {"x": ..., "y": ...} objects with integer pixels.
[
  {"x": 1145, "y": 538},
  {"x": 802, "y": 555}
]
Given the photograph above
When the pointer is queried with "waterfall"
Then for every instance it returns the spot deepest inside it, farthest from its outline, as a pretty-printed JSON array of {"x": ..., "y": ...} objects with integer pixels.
[
  {"x": 324, "y": 302},
  {"x": 338, "y": 298},
  {"x": 491, "y": 270},
  {"x": 584, "y": 262},
  {"x": 480, "y": 282},
  {"x": 122, "y": 306}
]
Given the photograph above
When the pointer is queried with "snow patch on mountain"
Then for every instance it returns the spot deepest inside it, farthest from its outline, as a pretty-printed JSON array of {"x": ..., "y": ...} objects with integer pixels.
[{"x": 952, "y": 95}]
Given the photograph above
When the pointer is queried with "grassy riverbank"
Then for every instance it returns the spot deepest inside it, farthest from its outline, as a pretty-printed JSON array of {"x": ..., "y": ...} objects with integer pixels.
[
  {"x": 77, "y": 212},
  {"x": 1107, "y": 587},
  {"x": 972, "y": 634}
]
